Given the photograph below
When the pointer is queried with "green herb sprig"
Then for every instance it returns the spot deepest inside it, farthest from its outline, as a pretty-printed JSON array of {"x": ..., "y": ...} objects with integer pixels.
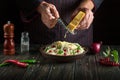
[{"x": 111, "y": 54}]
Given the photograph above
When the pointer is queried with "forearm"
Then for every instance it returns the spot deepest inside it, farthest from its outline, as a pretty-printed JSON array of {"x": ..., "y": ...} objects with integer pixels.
[{"x": 86, "y": 4}]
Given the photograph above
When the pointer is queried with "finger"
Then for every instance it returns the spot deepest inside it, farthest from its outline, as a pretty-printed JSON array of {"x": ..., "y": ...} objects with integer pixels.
[
  {"x": 81, "y": 27},
  {"x": 49, "y": 14},
  {"x": 81, "y": 24},
  {"x": 54, "y": 11},
  {"x": 53, "y": 22},
  {"x": 46, "y": 10},
  {"x": 90, "y": 20}
]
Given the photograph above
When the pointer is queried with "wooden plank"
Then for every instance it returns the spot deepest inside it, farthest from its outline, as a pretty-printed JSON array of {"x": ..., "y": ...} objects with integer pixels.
[
  {"x": 56, "y": 72},
  {"x": 85, "y": 68},
  {"x": 62, "y": 71},
  {"x": 69, "y": 70}
]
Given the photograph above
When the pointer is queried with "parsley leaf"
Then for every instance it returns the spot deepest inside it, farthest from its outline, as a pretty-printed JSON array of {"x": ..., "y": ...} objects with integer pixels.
[{"x": 115, "y": 55}]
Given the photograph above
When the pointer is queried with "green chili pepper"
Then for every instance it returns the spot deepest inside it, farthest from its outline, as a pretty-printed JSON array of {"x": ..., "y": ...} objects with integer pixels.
[
  {"x": 4, "y": 64},
  {"x": 31, "y": 61}
]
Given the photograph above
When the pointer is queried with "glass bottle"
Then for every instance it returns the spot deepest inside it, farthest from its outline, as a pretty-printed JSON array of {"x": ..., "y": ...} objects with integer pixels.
[{"x": 24, "y": 42}]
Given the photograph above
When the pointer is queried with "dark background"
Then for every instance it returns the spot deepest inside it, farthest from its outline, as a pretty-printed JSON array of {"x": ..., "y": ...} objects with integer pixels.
[
  {"x": 106, "y": 22},
  {"x": 10, "y": 12}
]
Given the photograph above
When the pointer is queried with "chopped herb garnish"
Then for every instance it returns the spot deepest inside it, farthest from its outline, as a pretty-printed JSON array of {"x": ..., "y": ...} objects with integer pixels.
[
  {"x": 47, "y": 48},
  {"x": 60, "y": 51}
]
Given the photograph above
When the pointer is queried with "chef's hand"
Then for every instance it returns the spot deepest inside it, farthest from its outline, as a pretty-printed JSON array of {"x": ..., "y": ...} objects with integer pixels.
[
  {"x": 86, "y": 21},
  {"x": 49, "y": 14}
]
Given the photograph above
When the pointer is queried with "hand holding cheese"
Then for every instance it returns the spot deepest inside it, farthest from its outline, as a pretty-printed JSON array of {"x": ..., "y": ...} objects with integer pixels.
[
  {"x": 75, "y": 22},
  {"x": 86, "y": 18}
]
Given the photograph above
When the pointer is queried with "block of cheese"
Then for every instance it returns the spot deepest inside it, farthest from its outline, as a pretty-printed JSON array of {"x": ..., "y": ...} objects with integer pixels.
[{"x": 75, "y": 22}]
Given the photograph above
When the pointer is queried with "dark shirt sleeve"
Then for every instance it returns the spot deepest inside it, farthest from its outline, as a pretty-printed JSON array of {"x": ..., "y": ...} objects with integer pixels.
[
  {"x": 28, "y": 8},
  {"x": 97, "y": 4}
]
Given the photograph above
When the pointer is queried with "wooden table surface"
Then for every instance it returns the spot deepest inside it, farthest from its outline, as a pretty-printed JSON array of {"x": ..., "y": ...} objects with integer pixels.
[{"x": 85, "y": 68}]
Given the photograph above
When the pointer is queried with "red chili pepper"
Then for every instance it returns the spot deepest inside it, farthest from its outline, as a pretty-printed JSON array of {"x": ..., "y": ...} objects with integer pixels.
[
  {"x": 107, "y": 62},
  {"x": 105, "y": 59},
  {"x": 16, "y": 62}
]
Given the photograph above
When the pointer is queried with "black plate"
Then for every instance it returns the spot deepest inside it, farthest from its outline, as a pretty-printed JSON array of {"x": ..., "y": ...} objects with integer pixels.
[{"x": 62, "y": 58}]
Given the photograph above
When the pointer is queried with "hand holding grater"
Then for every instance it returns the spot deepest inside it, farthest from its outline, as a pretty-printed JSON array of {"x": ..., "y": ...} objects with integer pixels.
[{"x": 74, "y": 23}]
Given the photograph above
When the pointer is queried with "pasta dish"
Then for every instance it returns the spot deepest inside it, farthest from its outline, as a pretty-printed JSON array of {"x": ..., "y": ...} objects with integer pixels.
[{"x": 63, "y": 48}]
